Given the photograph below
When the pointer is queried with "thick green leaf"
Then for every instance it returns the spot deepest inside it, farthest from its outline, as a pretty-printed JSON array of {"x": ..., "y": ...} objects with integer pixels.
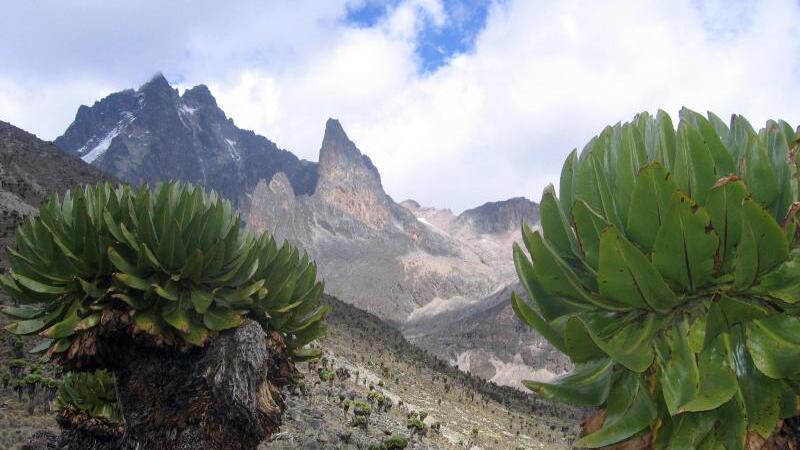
[
  {"x": 168, "y": 291},
  {"x": 587, "y": 385},
  {"x": 689, "y": 429},
  {"x": 667, "y": 139},
  {"x": 88, "y": 322},
  {"x": 693, "y": 172},
  {"x": 724, "y": 164},
  {"x": 31, "y": 326},
  {"x": 763, "y": 245},
  {"x": 592, "y": 185},
  {"x": 632, "y": 156},
  {"x": 774, "y": 345},
  {"x": 630, "y": 345},
  {"x": 550, "y": 306},
  {"x": 717, "y": 381},
  {"x": 535, "y": 321},
  {"x": 135, "y": 301},
  {"x": 22, "y": 312},
  {"x": 201, "y": 300},
  {"x": 678, "y": 374},
  {"x": 626, "y": 276},
  {"x": 685, "y": 246},
  {"x": 649, "y": 204},
  {"x": 589, "y": 225},
  {"x": 783, "y": 282},
  {"x": 555, "y": 227},
  {"x": 559, "y": 279},
  {"x": 759, "y": 393},
  {"x": 63, "y": 328},
  {"x": 741, "y": 310},
  {"x": 629, "y": 411},
  {"x": 567, "y": 182},
  {"x": 218, "y": 318},
  {"x": 176, "y": 315},
  {"x": 133, "y": 281},
  {"x": 39, "y": 287},
  {"x": 724, "y": 207},
  {"x": 757, "y": 171}
]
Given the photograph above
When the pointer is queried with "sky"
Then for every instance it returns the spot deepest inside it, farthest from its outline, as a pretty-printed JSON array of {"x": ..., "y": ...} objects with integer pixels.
[{"x": 457, "y": 102}]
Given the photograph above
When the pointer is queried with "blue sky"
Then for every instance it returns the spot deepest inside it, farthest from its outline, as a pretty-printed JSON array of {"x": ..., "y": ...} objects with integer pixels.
[
  {"x": 435, "y": 43},
  {"x": 457, "y": 102}
]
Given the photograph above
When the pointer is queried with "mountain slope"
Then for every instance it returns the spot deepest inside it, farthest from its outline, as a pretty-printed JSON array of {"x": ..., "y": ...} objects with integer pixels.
[
  {"x": 153, "y": 134},
  {"x": 361, "y": 348}
]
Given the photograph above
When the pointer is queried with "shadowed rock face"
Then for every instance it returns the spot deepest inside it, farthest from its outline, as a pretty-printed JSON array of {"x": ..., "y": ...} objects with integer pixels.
[{"x": 153, "y": 134}]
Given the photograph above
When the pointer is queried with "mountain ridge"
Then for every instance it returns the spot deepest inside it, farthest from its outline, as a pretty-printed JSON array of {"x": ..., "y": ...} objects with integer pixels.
[{"x": 153, "y": 134}]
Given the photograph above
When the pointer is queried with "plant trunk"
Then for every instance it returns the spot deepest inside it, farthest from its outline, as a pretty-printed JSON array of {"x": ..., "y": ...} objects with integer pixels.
[{"x": 222, "y": 396}]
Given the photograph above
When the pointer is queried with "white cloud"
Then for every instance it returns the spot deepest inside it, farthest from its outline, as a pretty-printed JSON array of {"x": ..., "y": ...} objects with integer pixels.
[{"x": 490, "y": 124}]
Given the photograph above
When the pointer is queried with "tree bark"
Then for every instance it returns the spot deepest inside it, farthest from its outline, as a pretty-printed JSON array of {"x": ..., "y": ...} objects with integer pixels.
[{"x": 221, "y": 396}]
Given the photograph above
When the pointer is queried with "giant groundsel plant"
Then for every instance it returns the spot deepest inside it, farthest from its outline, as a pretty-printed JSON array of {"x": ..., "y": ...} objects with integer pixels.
[
  {"x": 173, "y": 264},
  {"x": 668, "y": 270}
]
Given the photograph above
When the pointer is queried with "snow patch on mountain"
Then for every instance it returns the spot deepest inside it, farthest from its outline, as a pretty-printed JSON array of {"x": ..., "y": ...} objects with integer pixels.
[
  {"x": 100, "y": 147},
  {"x": 232, "y": 149}
]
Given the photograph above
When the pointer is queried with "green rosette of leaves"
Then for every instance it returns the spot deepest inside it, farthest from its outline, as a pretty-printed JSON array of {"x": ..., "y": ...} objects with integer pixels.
[
  {"x": 668, "y": 271},
  {"x": 174, "y": 263}
]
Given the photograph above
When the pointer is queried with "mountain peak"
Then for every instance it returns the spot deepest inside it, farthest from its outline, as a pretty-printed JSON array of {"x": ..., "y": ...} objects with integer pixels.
[
  {"x": 334, "y": 130},
  {"x": 348, "y": 179},
  {"x": 200, "y": 95},
  {"x": 337, "y": 146},
  {"x": 156, "y": 84}
]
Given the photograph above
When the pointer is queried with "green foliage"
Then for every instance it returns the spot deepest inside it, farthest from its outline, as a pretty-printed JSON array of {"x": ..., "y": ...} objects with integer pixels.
[
  {"x": 376, "y": 396},
  {"x": 175, "y": 260},
  {"x": 395, "y": 442},
  {"x": 414, "y": 422},
  {"x": 362, "y": 409},
  {"x": 360, "y": 421},
  {"x": 92, "y": 393},
  {"x": 669, "y": 272},
  {"x": 326, "y": 375}
]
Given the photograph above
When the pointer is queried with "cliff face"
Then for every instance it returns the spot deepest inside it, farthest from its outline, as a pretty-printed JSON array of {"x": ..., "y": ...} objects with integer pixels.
[
  {"x": 154, "y": 134},
  {"x": 349, "y": 181}
]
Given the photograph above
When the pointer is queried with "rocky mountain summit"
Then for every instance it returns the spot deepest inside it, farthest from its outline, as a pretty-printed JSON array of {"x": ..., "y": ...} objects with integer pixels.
[{"x": 153, "y": 134}]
